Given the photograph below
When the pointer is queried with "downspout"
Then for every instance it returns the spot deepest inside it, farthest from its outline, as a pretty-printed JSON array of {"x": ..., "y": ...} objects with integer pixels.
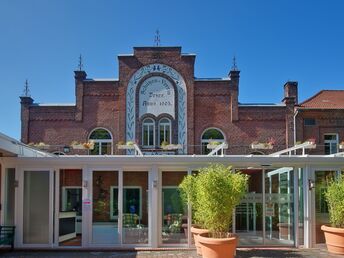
[{"x": 295, "y": 114}]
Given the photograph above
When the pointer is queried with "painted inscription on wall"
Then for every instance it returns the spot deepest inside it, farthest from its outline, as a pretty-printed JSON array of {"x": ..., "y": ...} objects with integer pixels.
[{"x": 156, "y": 96}]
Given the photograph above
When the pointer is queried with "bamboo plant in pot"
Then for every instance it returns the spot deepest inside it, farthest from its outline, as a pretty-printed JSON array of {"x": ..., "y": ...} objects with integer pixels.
[
  {"x": 217, "y": 190},
  {"x": 334, "y": 233},
  {"x": 188, "y": 194}
]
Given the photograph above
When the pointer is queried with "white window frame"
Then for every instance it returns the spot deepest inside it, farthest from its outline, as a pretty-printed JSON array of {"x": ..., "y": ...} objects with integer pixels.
[
  {"x": 112, "y": 200},
  {"x": 149, "y": 122},
  {"x": 101, "y": 141},
  {"x": 330, "y": 142},
  {"x": 165, "y": 124}
]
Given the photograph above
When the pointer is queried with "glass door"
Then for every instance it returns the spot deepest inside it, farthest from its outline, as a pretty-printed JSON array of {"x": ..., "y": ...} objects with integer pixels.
[{"x": 249, "y": 213}]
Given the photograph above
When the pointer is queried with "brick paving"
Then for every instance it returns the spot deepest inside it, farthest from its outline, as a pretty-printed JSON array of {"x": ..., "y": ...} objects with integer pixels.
[{"x": 241, "y": 253}]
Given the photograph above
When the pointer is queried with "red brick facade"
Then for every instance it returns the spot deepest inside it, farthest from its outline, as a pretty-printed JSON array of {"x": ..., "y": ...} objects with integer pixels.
[{"x": 210, "y": 103}]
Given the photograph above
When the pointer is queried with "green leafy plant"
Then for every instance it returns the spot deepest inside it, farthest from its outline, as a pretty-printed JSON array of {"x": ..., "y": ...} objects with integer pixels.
[
  {"x": 213, "y": 193},
  {"x": 164, "y": 143},
  {"x": 335, "y": 199}
]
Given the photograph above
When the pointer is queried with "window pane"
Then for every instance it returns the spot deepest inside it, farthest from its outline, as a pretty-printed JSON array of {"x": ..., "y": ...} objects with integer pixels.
[
  {"x": 106, "y": 148},
  {"x": 9, "y": 197},
  {"x": 100, "y": 134},
  {"x": 105, "y": 211},
  {"x": 95, "y": 150},
  {"x": 212, "y": 134},
  {"x": 162, "y": 138},
  {"x": 174, "y": 211},
  {"x": 135, "y": 207},
  {"x": 151, "y": 135},
  {"x": 145, "y": 135},
  {"x": 167, "y": 133}
]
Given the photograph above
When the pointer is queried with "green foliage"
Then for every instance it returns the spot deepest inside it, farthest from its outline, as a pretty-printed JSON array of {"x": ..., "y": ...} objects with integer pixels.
[
  {"x": 335, "y": 199},
  {"x": 213, "y": 193}
]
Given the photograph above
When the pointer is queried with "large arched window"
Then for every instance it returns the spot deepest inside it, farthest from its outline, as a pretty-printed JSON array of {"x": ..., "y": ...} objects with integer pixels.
[
  {"x": 165, "y": 130},
  {"x": 102, "y": 142},
  {"x": 148, "y": 129},
  {"x": 211, "y": 134}
]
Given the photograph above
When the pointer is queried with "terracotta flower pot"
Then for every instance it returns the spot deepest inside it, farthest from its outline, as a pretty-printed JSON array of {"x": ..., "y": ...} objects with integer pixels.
[
  {"x": 334, "y": 239},
  {"x": 195, "y": 231},
  {"x": 217, "y": 247}
]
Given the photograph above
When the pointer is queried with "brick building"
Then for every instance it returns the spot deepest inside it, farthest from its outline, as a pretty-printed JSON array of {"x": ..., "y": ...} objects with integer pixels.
[
  {"x": 158, "y": 95},
  {"x": 97, "y": 200}
]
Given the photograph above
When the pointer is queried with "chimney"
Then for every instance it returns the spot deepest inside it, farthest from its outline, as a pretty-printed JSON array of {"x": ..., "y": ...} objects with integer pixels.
[
  {"x": 290, "y": 92},
  {"x": 234, "y": 92}
]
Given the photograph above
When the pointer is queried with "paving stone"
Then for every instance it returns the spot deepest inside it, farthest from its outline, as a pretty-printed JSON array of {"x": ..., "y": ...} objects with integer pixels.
[{"x": 241, "y": 253}]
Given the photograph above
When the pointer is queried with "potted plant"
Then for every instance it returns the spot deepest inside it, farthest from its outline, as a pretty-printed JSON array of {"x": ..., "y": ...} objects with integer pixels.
[
  {"x": 129, "y": 145},
  {"x": 40, "y": 145},
  {"x": 213, "y": 144},
  {"x": 216, "y": 191},
  {"x": 170, "y": 146},
  {"x": 334, "y": 233},
  {"x": 268, "y": 145},
  {"x": 188, "y": 195}
]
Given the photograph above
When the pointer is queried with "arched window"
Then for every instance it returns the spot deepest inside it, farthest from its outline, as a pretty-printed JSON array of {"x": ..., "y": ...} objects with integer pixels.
[
  {"x": 148, "y": 129},
  {"x": 211, "y": 134},
  {"x": 102, "y": 142},
  {"x": 165, "y": 130}
]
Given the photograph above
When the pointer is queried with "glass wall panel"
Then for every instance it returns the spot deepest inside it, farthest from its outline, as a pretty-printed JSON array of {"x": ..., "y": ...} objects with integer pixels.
[
  {"x": 301, "y": 210},
  {"x": 105, "y": 208},
  {"x": 174, "y": 211},
  {"x": 70, "y": 215},
  {"x": 135, "y": 208},
  {"x": 279, "y": 215},
  {"x": 321, "y": 208},
  {"x": 9, "y": 203},
  {"x": 249, "y": 213},
  {"x": 36, "y": 207}
]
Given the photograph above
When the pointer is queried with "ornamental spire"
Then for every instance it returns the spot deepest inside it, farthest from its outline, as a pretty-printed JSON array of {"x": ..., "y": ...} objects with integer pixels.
[
  {"x": 80, "y": 64},
  {"x": 26, "y": 91},
  {"x": 157, "y": 38},
  {"x": 234, "y": 66}
]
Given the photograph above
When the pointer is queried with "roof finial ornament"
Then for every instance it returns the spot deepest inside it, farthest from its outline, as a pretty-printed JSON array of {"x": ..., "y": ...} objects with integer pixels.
[
  {"x": 234, "y": 66},
  {"x": 26, "y": 92},
  {"x": 157, "y": 38},
  {"x": 80, "y": 64}
]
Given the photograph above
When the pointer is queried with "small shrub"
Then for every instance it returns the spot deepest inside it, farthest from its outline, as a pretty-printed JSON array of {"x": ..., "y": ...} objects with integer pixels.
[
  {"x": 335, "y": 199},
  {"x": 213, "y": 193}
]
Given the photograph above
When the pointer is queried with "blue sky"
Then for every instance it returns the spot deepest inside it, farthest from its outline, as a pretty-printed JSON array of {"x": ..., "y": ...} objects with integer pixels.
[{"x": 273, "y": 41}]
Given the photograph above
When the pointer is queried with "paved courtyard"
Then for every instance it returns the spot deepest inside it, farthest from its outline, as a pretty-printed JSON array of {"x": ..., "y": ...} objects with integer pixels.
[{"x": 241, "y": 253}]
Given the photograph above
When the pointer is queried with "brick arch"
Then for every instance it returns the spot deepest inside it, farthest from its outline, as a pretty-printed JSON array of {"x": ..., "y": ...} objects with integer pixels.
[{"x": 182, "y": 98}]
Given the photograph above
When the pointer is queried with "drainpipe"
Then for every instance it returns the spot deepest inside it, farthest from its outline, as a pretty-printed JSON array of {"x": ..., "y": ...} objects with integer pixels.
[{"x": 295, "y": 114}]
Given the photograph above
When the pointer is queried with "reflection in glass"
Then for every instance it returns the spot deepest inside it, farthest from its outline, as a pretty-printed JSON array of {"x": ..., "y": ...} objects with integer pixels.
[
  {"x": 321, "y": 208},
  {"x": 70, "y": 215},
  {"x": 174, "y": 211},
  {"x": 135, "y": 208},
  {"x": 105, "y": 221},
  {"x": 279, "y": 212},
  {"x": 249, "y": 213}
]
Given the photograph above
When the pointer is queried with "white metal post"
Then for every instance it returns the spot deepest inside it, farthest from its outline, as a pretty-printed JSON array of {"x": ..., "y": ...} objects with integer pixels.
[
  {"x": 264, "y": 204},
  {"x": 296, "y": 206},
  {"x": 120, "y": 205},
  {"x": 307, "y": 207},
  {"x": 87, "y": 204},
  {"x": 189, "y": 217},
  {"x": 154, "y": 212}
]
